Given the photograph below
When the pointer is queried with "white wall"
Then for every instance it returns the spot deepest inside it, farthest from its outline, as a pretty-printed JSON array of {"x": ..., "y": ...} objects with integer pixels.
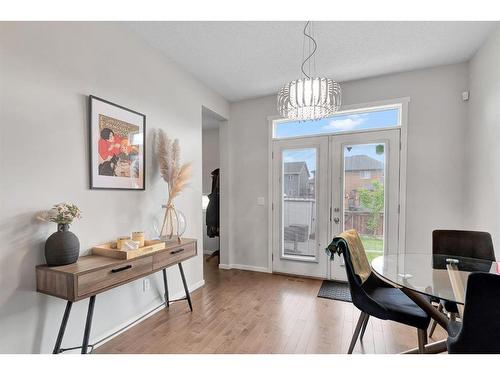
[
  {"x": 247, "y": 149},
  {"x": 435, "y": 170},
  {"x": 482, "y": 146},
  {"x": 211, "y": 161},
  {"x": 210, "y": 152},
  {"x": 46, "y": 72}
]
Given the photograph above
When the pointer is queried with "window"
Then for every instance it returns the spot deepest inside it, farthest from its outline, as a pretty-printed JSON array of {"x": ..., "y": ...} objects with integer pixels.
[
  {"x": 374, "y": 118},
  {"x": 365, "y": 175}
]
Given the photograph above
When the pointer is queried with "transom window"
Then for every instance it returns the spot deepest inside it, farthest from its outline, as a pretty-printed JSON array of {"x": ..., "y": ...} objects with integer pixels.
[{"x": 373, "y": 118}]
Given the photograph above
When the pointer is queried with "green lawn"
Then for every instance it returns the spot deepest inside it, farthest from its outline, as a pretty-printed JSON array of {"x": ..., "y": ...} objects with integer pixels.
[{"x": 374, "y": 246}]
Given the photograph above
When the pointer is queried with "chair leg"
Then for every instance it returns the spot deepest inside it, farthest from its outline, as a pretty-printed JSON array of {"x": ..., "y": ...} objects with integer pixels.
[
  {"x": 434, "y": 323},
  {"x": 365, "y": 323},
  {"x": 422, "y": 340},
  {"x": 361, "y": 320}
]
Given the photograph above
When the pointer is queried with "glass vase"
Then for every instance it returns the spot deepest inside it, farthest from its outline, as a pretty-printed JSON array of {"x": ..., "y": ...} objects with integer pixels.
[{"x": 172, "y": 224}]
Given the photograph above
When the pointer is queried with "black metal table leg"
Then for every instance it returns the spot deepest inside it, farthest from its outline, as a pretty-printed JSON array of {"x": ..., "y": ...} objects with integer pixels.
[
  {"x": 165, "y": 283},
  {"x": 88, "y": 324},
  {"x": 188, "y": 296},
  {"x": 62, "y": 328}
]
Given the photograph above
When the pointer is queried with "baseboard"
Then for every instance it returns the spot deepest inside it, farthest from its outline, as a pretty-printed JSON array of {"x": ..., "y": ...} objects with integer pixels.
[
  {"x": 243, "y": 267},
  {"x": 142, "y": 317}
]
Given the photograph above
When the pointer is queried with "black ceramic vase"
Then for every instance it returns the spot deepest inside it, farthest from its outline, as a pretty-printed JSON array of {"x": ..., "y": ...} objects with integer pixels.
[{"x": 62, "y": 247}]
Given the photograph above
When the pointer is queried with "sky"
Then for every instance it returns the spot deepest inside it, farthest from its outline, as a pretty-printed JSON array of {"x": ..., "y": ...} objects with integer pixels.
[
  {"x": 340, "y": 123},
  {"x": 336, "y": 124}
]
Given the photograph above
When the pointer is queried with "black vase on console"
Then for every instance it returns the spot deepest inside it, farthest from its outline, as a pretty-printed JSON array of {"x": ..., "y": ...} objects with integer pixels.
[{"x": 62, "y": 247}]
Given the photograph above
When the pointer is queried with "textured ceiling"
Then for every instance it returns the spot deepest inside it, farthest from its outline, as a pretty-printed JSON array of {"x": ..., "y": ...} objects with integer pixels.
[{"x": 241, "y": 60}]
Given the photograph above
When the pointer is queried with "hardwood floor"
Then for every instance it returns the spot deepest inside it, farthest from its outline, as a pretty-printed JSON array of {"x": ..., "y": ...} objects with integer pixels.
[{"x": 250, "y": 312}]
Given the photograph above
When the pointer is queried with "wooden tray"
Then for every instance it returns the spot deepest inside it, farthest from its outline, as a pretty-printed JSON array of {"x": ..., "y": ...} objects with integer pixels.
[{"x": 109, "y": 249}]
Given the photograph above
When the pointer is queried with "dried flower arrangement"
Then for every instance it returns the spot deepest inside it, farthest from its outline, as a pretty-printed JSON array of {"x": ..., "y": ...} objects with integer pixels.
[{"x": 175, "y": 175}]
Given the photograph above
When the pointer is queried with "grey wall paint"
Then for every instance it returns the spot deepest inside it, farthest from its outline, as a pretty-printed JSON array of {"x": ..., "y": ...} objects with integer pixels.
[
  {"x": 248, "y": 180},
  {"x": 482, "y": 202},
  {"x": 435, "y": 170},
  {"x": 46, "y": 71},
  {"x": 210, "y": 152},
  {"x": 211, "y": 161}
]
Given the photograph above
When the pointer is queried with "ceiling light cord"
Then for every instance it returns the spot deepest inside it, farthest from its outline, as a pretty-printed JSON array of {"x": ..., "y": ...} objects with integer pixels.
[{"x": 311, "y": 53}]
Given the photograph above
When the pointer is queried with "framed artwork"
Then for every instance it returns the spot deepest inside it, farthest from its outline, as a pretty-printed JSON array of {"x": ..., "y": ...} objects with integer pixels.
[{"x": 117, "y": 146}]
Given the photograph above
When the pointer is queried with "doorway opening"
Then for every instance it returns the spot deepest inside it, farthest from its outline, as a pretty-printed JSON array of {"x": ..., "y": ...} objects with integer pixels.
[
  {"x": 343, "y": 172},
  {"x": 211, "y": 170}
]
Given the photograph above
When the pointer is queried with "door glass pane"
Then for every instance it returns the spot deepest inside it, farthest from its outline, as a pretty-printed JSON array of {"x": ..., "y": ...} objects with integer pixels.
[
  {"x": 364, "y": 194},
  {"x": 373, "y": 119},
  {"x": 299, "y": 203}
]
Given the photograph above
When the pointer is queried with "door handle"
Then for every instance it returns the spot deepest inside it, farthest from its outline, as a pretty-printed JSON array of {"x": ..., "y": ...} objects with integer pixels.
[
  {"x": 336, "y": 220},
  {"x": 121, "y": 269},
  {"x": 176, "y": 251}
]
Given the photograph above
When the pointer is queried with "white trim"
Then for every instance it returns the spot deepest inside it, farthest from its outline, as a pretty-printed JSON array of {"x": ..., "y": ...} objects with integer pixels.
[
  {"x": 403, "y": 155},
  {"x": 244, "y": 268},
  {"x": 178, "y": 295},
  {"x": 270, "y": 200},
  {"x": 224, "y": 192}
]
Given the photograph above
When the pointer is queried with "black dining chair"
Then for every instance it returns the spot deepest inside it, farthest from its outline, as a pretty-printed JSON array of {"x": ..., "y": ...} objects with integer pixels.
[
  {"x": 460, "y": 243},
  {"x": 376, "y": 298},
  {"x": 479, "y": 331}
]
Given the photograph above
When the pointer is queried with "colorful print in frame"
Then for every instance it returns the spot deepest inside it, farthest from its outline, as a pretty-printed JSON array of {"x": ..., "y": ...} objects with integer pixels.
[{"x": 117, "y": 146}]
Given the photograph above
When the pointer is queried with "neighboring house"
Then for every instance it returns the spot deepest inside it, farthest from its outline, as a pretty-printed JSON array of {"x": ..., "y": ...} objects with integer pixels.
[
  {"x": 296, "y": 179},
  {"x": 311, "y": 185},
  {"x": 360, "y": 172}
]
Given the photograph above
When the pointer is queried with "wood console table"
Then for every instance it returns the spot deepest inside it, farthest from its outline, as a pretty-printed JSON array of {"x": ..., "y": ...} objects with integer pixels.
[{"x": 94, "y": 274}]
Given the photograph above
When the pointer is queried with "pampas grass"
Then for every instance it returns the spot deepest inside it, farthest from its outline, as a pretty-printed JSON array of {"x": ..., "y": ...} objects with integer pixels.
[
  {"x": 176, "y": 176},
  {"x": 168, "y": 154}
]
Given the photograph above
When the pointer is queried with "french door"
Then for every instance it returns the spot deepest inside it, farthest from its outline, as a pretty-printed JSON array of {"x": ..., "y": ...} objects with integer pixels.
[
  {"x": 300, "y": 210},
  {"x": 326, "y": 184}
]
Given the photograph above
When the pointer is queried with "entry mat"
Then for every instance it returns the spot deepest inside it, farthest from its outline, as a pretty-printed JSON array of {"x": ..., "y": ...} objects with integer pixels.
[{"x": 335, "y": 290}]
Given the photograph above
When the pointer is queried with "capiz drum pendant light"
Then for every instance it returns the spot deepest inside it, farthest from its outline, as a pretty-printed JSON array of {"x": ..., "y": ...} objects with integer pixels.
[{"x": 309, "y": 98}]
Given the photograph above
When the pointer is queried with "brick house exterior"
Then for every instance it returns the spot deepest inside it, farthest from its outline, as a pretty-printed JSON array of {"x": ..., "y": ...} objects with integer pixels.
[{"x": 360, "y": 172}]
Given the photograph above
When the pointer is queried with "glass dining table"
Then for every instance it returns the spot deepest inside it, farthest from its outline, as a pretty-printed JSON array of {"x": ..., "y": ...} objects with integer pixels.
[{"x": 421, "y": 275}]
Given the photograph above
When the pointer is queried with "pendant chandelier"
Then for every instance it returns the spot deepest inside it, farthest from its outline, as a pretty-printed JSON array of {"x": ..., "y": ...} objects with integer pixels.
[{"x": 309, "y": 97}]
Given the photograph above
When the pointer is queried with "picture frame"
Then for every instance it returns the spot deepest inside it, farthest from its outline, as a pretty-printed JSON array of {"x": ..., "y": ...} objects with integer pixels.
[{"x": 117, "y": 146}]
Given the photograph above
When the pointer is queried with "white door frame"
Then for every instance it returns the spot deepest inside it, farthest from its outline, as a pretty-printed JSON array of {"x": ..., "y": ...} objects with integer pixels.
[
  {"x": 391, "y": 138},
  {"x": 299, "y": 265},
  {"x": 404, "y": 104}
]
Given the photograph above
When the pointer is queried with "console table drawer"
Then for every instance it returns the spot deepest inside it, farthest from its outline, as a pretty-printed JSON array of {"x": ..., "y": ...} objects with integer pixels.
[
  {"x": 106, "y": 277},
  {"x": 175, "y": 255}
]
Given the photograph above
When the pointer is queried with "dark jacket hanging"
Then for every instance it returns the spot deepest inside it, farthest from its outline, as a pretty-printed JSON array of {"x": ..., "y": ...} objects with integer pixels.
[{"x": 212, "y": 218}]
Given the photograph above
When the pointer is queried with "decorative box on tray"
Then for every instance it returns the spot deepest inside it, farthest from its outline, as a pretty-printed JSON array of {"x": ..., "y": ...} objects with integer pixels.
[{"x": 110, "y": 249}]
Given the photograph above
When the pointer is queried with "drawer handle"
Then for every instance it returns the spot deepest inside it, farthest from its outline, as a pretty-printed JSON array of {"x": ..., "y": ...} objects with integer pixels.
[
  {"x": 121, "y": 269},
  {"x": 177, "y": 251}
]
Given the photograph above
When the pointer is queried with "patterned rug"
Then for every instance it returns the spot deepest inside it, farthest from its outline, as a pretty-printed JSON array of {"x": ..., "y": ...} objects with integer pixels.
[{"x": 335, "y": 290}]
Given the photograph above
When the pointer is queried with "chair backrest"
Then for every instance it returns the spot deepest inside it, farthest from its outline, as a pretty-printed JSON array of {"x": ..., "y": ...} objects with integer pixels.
[
  {"x": 480, "y": 331},
  {"x": 359, "y": 297},
  {"x": 463, "y": 243}
]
